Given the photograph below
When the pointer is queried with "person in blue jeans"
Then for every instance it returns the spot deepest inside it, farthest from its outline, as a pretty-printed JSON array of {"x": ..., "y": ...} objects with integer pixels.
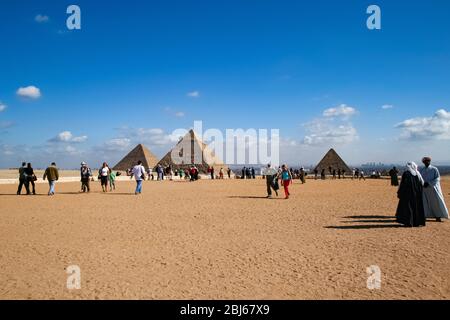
[
  {"x": 138, "y": 173},
  {"x": 52, "y": 174}
]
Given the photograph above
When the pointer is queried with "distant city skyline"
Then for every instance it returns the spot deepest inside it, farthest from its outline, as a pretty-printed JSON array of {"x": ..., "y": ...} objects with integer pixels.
[{"x": 138, "y": 70}]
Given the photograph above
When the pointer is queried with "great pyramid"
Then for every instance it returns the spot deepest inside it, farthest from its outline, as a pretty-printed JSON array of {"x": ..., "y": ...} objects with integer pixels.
[
  {"x": 140, "y": 152},
  {"x": 334, "y": 161},
  {"x": 192, "y": 151}
]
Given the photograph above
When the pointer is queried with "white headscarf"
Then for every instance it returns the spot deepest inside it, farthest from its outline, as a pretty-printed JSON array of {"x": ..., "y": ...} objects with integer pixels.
[{"x": 413, "y": 169}]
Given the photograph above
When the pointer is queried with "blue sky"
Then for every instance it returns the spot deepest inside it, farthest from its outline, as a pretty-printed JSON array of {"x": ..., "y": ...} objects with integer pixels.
[{"x": 137, "y": 70}]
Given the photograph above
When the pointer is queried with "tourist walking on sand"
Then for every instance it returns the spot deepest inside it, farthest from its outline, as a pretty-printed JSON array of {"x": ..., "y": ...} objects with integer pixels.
[
  {"x": 271, "y": 175},
  {"x": 229, "y": 173},
  {"x": 160, "y": 172},
  {"x": 150, "y": 174},
  {"x": 253, "y": 173},
  {"x": 221, "y": 173},
  {"x": 52, "y": 175},
  {"x": 322, "y": 175},
  {"x": 138, "y": 173},
  {"x": 410, "y": 209},
  {"x": 303, "y": 175},
  {"x": 86, "y": 174},
  {"x": 22, "y": 179},
  {"x": 393, "y": 173},
  {"x": 286, "y": 180},
  {"x": 112, "y": 180},
  {"x": 103, "y": 175},
  {"x": 30, "y": 178},
  {"x": 361, "y": 175},
  {"x": 433, "y": 199}
]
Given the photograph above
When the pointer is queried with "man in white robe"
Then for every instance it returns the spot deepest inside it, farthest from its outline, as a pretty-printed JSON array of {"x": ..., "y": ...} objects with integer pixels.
[{"x": 433, "y": 199}]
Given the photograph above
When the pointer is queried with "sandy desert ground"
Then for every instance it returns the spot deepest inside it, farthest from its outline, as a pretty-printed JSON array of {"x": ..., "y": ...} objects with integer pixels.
[{"x": 219, "y": 240}]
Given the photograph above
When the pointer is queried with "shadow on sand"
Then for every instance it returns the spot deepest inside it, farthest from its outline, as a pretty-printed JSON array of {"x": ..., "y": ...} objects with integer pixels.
[
  {"x": 373, "y": 226},
  {"x": 255, "y": 197},
  {"x": 372, "y": 222}
]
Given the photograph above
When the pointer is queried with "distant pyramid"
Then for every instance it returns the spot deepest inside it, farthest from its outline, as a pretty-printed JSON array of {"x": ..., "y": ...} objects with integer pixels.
[
  {"x": 140, "y": 152},
  {"x": 191, "y": 151},
  {"x": 334, "y": 161}
]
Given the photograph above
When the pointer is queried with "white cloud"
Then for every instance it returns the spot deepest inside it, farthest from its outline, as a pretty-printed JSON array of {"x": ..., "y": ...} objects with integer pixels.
[
  {"x": 435, "y": 127},
  {"x": 67, "y": 136},
  {"x": 119, "y": 142},
  {"x": 30, "y": 92},
  {"x": 2, "y": 107},
  {"x": 178, "y": 114},
  {"x": 71, "y": 150},
  {"x": 194, "y": 94},
  {"x": 387, "y": 106},
  {"x": 152, "y": 137},
  {"x": 332, "y": 128},
  {"x": 41, "y": 18},
  {"x": 325, "y": 133},
  {"x": 343, "y": 111}
]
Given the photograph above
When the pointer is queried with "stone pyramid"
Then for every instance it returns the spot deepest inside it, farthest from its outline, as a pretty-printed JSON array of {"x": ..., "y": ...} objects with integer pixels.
[
  {"x": 140, "y": 152},
  {"x": 189, "y": 151},
  {"x": 333, "y": 160}
]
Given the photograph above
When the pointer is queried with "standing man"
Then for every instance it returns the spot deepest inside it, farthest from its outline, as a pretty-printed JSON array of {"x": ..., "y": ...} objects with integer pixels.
[
  {"x": 23, "y": 179},
  {"x": 303, "y": 174},
  {"x": 229, "y": 173},
  {"x": 270, "y": 174},
  {"x": 393, "y": 173},
  {"x": 86, "y": 175},
  {"x": 316, "y": 173},
  {"x": 253, "y": 173},
  {"x": 52, "y": 175},
  {"x": 138, "y": 173},
  {"x": 433, "y": 199}
]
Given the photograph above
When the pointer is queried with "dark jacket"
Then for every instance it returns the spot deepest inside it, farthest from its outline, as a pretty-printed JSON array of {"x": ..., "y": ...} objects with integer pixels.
[{"x": 51, "y": 173}]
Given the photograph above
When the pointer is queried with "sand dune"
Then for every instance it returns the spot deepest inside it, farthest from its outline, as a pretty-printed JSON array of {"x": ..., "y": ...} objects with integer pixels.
[{"x": 218, "y": 240}]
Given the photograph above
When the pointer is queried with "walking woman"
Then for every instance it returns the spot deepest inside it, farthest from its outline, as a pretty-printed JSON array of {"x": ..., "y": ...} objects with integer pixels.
[
  {"x": 103, "y": 175},
  {"x": 286, "y": 179},
  {"x": 30, "y": 178}
]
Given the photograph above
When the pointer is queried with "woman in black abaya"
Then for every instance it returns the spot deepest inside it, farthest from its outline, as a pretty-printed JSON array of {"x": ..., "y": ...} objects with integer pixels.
[{"x": 410, "y": 210}]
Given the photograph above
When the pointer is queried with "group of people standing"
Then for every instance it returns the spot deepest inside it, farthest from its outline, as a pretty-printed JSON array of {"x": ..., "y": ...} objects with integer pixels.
[
  {"x": 356, "y": 174},
  {"x": 248, "y": 173},
  {"x": 106, "y": 176},
  {"x": 420, "y": 195}
]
